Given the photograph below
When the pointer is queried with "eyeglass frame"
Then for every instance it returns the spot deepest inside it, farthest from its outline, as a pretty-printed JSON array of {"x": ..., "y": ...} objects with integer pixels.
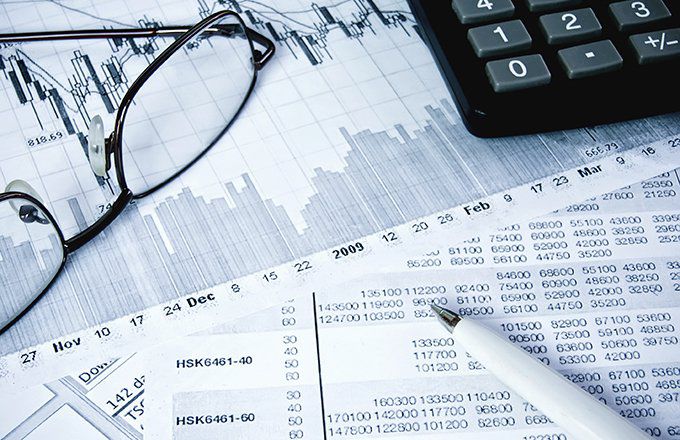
[{"x": 113, "y": 143}]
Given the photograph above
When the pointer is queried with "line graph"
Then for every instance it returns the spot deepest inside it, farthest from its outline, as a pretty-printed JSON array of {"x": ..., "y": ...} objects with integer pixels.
[
  {"x": 311, "y": 40},
  {"x": 110, "y": 79},
  {"x": 63, "y": 110}
]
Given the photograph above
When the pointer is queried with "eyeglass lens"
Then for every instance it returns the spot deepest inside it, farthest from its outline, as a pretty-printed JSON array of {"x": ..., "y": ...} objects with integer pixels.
[
  {"x": 30, "y": 256},
  {"x": 186, "y": 104}
]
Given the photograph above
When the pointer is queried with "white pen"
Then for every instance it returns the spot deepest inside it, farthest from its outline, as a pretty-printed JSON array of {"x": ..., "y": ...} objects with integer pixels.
[{"x": 566, "y": 404}]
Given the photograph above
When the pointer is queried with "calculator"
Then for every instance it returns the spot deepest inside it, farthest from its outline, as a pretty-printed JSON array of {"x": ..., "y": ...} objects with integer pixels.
[{"x": 528, "y": 66}]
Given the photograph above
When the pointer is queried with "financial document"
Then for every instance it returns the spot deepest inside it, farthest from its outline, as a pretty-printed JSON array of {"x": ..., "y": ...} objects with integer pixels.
[
  {"x": 350, "y": 134},
  {"x": 592, "y": 290},
  {"x": 368, "y": 359}
]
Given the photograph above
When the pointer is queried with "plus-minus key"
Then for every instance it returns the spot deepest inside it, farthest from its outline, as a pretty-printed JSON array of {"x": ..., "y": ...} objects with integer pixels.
[{"x": 656, "y": 46}]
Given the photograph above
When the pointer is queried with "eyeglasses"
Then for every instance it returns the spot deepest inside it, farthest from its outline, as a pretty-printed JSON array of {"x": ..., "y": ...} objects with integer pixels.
[{"x": 173, "y": 113}]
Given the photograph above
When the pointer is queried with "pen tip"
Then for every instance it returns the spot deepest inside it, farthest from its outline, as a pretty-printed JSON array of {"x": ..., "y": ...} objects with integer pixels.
[
  {"x": 436, "y": 308},
  {"x": 448, "y": 318}
]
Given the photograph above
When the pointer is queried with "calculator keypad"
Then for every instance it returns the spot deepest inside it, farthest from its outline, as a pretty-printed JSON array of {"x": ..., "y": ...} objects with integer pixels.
[
  {"x": 590, "y": 59},
  {"x": 570, "y": 26},
  {"x": 562, "y": 27},
  {"x": 634, "y": 14},
  {"x": 526, "y": 66},
  {"x": 518, "y": 73},
  {"x": 651, "y": 47},
  {"x": 482, "y": 11},
  {"x": 499, "y": 39}
]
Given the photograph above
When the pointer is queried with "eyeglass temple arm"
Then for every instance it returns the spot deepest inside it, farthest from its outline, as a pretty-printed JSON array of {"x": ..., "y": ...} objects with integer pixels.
[{"x": 171, "y": 31}]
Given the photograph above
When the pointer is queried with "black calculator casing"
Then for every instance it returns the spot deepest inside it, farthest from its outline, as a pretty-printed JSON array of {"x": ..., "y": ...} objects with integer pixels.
[{"x": 634, "y": 91}]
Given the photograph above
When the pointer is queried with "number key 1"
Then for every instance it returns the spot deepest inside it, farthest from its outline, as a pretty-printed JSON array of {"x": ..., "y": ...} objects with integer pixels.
[
  {"x": 501, "y": 38},
  {"x": 480, "y": 11}
]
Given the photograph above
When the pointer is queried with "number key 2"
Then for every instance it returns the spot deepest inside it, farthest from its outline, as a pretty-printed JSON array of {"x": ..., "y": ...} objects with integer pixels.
[
  {"x": 547, "y": 5},
  {"x": 570, "y": 26}
]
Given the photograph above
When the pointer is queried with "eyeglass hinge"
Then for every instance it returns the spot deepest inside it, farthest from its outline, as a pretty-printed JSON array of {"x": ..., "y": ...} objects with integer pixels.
[
  {"x": 108, "y": 148},
  {"x": 258, "y": 58}
]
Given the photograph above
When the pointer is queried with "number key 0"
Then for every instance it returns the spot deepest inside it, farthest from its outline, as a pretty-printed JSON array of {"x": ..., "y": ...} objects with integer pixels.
[{"x": 517, "y": 73}]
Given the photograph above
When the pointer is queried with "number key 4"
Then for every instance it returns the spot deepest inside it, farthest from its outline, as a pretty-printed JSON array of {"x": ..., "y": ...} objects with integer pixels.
[{"x": 481, "y": 11}]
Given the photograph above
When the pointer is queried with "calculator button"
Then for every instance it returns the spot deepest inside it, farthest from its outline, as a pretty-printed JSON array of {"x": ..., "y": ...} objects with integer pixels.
[
  {"x": 479, "y": 11},
  {"x": 502, "y": 38},
  {"x": 570, "y": 26},
  {"x": 517, "y": 73},
  {"x": 631, "y": 14},
  {"x": 590, "y": 59},
  {"x": 656, "y": 46},
  {"x": 550, "y": 5}
]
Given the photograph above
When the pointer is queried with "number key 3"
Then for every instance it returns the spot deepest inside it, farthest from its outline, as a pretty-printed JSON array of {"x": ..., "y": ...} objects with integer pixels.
[{"x": 634, "y": 13}]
